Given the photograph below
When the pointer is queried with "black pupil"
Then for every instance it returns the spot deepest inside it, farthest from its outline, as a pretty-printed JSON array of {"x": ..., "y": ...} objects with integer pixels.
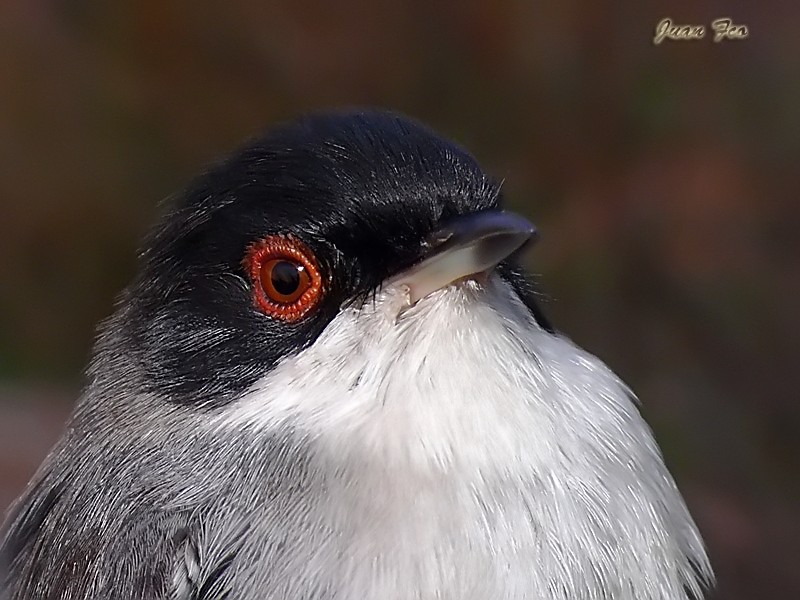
[{"x": 286, "y": 277}]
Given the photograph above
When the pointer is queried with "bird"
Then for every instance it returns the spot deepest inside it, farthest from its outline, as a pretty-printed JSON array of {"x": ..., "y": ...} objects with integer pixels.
[{"x": 332, "y": 377}]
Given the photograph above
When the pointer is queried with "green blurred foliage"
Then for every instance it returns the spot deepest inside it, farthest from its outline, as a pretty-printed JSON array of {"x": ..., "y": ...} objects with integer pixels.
[{"x": 664, "y": 180}]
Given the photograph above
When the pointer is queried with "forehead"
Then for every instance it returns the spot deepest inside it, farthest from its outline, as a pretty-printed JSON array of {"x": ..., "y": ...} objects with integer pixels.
[{"x": 364, "y": 175}]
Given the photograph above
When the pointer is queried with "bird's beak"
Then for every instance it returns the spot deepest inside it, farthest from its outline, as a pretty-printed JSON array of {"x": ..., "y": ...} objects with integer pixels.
[{"x": 468, "y": 246}]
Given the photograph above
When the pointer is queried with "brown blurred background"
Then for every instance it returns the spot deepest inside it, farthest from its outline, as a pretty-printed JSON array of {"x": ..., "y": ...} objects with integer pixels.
[{"x": 665, "y": 181}]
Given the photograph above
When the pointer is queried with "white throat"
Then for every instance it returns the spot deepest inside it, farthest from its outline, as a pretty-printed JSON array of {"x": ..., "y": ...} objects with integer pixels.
[{"x": 468, "y": 453}]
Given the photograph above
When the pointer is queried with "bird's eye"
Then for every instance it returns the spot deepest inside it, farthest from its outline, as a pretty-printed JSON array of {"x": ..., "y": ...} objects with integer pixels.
[{"x": 285, "y": 276}]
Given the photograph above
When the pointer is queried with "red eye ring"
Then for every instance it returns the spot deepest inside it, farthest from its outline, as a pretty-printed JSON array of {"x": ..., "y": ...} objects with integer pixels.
[{"x": 287, "y": 283}]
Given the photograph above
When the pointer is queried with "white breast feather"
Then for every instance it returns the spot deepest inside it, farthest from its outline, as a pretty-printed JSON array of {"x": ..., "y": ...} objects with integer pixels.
[{"x": 468, "y": 454}]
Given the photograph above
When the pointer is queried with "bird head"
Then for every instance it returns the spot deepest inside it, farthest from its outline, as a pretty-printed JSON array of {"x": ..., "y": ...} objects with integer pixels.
[{"x": 262, "y": 253}]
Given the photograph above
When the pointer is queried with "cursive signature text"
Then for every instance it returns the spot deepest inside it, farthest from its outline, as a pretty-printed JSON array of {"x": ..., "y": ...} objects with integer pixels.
[{"x": 724, "y": 29}]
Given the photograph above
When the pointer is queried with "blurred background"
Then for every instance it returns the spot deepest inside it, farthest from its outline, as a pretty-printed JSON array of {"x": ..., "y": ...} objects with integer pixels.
[{"x": 665, "y": 181}]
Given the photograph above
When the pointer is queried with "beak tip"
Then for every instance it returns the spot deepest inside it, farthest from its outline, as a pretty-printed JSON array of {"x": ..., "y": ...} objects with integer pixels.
[{"x": 495, "y": 234}]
